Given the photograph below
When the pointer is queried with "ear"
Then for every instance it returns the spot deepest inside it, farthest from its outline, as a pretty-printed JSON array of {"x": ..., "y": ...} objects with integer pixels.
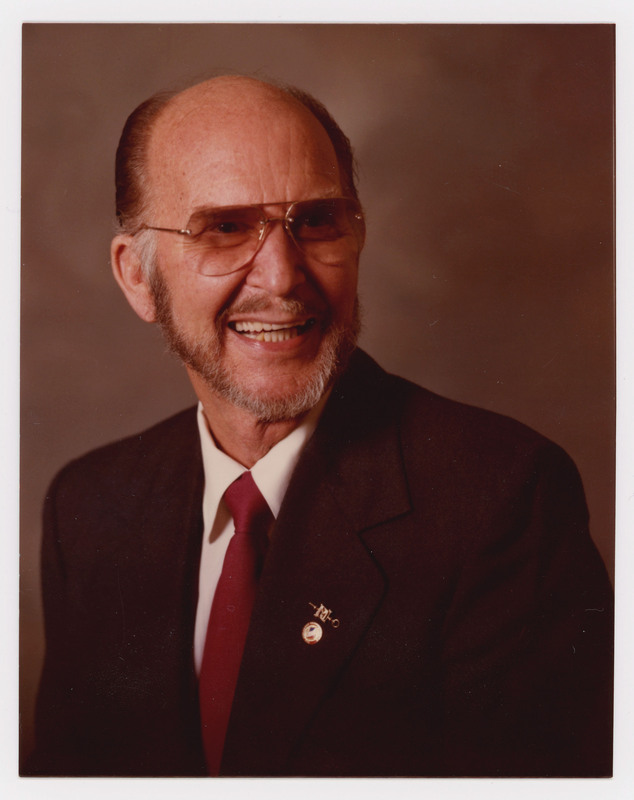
[{"x": 128, "y": 272}]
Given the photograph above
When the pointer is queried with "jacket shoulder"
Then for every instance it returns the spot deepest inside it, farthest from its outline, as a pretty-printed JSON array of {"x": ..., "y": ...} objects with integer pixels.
[
  {"x": 444, "y": 444},
  {"x": 374, "y": 396},
  {"x": 131, "y": 459}
]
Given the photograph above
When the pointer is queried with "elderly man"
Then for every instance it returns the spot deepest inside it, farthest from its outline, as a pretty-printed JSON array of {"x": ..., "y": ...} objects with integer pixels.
[{"x": 324, "y": 569}]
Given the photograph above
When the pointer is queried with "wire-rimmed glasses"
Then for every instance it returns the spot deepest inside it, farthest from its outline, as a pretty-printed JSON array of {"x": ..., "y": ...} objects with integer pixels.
[{"x": 224, "y": 239}]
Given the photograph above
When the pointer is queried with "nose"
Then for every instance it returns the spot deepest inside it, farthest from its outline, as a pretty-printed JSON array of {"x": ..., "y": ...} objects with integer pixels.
[{"x": 278, "y": 265}]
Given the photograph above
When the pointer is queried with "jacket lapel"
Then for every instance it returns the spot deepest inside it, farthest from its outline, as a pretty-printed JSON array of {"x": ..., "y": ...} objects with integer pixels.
[{"x": 320, "y": 571}]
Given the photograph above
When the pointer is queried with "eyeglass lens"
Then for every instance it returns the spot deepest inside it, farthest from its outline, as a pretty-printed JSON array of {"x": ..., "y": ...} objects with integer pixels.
[{"x": 223, "y": 240}]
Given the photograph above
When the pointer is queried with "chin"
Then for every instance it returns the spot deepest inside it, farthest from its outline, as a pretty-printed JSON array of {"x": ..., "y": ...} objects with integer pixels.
[{"x": 266, "y": 406}]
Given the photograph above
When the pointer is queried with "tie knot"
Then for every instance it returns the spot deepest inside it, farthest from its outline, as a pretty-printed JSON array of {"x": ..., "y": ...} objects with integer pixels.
[{"x": 250, "y": 511}]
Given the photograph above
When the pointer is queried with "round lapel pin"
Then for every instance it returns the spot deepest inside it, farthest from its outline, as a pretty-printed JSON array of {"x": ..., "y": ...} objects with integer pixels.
[{"x": 312, "y": 632}]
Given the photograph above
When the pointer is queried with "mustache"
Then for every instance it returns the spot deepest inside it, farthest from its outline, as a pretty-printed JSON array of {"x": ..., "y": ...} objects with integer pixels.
[{"x": 286, "y": 305}]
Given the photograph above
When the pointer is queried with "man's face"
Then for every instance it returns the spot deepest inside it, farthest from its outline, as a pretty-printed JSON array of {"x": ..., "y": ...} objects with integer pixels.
[{"x": 205, "y": 155}]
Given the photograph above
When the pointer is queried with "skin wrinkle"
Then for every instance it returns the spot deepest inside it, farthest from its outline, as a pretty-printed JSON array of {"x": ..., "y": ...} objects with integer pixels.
[{"x": 182, "y": 128}]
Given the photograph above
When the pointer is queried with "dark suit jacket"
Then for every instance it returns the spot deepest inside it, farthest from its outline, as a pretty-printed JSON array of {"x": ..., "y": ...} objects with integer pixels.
[{"x": 451, "y": 545}]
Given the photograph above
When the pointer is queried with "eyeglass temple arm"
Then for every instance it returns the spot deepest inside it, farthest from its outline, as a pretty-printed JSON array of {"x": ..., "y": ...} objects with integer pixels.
[{"x": 182, "y": 231}]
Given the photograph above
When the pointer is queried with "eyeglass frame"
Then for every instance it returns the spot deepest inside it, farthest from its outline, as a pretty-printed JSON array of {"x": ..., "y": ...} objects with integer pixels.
[{"x": 265, "y": 224}]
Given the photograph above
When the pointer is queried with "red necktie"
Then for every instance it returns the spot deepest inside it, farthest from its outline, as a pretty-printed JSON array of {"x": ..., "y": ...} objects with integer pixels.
[{"x": 231, "y": 612}]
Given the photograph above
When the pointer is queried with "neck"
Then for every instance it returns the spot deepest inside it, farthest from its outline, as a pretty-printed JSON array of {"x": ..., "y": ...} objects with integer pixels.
[{"x": 237, "y": 432}]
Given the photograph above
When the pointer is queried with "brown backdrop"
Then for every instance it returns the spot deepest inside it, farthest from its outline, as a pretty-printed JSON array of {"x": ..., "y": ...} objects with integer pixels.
[{"x": 486, "y": 170}]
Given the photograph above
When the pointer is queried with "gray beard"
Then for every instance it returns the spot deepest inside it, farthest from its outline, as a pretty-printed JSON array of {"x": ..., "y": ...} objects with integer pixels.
[{"x": 204, "y": 357}]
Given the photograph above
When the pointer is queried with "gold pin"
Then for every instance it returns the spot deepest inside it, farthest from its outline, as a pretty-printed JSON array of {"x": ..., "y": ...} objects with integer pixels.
[
  {"x": 312, "y": 632},
  {"x": 324, "y": 614}
]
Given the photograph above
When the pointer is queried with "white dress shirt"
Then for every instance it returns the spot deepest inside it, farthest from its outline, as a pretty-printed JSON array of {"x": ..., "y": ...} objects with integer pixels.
[{"x": 272, "y": 474}]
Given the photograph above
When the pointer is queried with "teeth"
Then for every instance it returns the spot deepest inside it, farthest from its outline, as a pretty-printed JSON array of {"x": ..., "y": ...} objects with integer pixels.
[
  {"x": 270, "y": 332},
  {"x": 257, "y": 327},
  {"x": 272, "y": 336}
]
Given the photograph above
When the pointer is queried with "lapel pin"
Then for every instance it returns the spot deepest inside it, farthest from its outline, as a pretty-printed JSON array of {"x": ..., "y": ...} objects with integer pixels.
[
  {"x": 312, "y": 632},
  {"x": 324, "y": 614}
]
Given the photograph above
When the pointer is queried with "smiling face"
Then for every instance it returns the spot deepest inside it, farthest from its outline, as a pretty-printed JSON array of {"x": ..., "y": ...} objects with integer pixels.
[{"x": 268, "y": 338}]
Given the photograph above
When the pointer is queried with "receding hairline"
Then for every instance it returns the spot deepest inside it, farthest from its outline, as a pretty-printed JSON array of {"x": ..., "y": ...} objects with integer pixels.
[
  {"x": 134, "y": 188},
  {"x": 228, "y": 97}
]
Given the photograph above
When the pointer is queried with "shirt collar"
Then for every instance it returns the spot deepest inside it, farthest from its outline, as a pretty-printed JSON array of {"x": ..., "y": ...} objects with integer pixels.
[{"x": 272, "y": 473}]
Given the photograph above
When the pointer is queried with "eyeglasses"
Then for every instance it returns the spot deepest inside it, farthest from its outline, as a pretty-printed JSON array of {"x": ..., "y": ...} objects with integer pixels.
[{"x": 223, "y": 240}]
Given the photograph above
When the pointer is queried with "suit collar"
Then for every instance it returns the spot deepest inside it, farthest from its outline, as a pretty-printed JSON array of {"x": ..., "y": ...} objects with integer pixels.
[{"x": 358, "y": 445}]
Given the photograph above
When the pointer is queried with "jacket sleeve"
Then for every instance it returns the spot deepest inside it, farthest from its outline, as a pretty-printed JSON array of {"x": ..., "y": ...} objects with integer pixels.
[
  {"x": 528, "y": 640},
  {"x": 55, "y": 750}
]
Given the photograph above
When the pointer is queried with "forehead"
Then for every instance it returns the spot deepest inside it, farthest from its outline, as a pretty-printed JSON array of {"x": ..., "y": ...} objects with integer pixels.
[{"x": 238, "y": 143}]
